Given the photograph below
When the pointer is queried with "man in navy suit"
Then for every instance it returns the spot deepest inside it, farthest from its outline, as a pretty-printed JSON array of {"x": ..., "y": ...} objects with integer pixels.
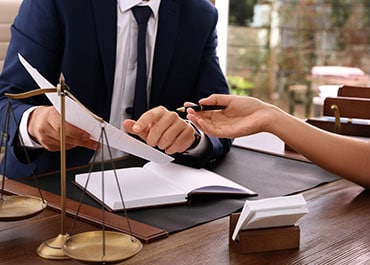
[{"x": 92, "y": 43}]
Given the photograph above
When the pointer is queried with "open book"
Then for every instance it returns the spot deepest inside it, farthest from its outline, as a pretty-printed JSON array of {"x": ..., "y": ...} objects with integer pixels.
[
  {"x": 156, "y": 184},
  {"x": 271, "y": 212}
]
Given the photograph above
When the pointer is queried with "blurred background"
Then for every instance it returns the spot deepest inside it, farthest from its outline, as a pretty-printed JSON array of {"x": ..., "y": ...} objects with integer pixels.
[{"x": 282, "y": 51}]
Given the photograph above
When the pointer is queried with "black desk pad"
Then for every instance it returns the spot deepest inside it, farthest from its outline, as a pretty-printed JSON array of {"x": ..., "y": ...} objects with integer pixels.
[{"x": 266, "y": 174}]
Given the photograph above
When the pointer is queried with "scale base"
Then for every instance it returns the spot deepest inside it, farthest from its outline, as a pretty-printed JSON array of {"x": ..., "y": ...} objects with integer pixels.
[{"x": 52, "y": 249}]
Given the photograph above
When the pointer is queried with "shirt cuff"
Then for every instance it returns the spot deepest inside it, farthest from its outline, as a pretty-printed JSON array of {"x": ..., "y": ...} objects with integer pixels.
[{"x": 24, "y": 138}]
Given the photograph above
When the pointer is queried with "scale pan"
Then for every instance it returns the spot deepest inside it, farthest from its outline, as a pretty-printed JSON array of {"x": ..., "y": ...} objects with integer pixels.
[
  {"x": 88, "y": 246},
  {"x": 16, "y": 207}
]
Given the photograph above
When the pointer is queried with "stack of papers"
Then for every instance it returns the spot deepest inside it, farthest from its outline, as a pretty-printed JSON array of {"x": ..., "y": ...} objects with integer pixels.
[{"x": 271, "y": 212}]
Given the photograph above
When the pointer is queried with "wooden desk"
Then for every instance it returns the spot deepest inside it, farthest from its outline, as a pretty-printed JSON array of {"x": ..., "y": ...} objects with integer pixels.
[{"x": 336, "y": 231}]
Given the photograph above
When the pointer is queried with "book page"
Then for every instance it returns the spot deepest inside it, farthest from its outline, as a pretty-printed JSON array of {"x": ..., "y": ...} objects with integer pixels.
[
  {"x": 139, "y": 188},
  {"x": 189, "y": 179}
]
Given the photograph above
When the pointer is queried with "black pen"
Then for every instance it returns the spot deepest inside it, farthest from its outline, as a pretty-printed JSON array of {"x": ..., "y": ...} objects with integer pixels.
[{"x": 201, "y": 108}]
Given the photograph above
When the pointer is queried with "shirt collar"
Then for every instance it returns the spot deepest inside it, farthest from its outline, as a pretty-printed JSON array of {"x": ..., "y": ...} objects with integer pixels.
[{"x": 125, "y": 5}]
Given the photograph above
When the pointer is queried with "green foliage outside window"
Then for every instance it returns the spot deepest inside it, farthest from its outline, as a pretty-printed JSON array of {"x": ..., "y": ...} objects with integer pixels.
[{"x": 239, "y": 86}]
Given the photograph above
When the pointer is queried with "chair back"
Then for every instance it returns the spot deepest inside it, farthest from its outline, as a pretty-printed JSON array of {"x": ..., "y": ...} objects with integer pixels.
[
  {"x": 354, "y": 91},
  {"x": 8, "y": 11},
  {"x": 348, "y": 107}
]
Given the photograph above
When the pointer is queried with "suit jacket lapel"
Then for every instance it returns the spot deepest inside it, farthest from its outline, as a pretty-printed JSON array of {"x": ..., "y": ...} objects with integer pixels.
[
  {"x": 105, "y": 12},
  {"x": 169, "y": 14}
]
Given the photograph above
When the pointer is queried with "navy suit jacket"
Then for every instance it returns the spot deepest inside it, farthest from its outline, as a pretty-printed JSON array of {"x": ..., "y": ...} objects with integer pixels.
[{"x": 78, "y": 38}]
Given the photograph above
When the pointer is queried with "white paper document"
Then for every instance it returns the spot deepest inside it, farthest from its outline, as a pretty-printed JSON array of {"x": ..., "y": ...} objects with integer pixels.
[
  {"x": 265, "y": 142},
  {"x": 271, "y": 212},
  {"x": 81, "y": 118}
]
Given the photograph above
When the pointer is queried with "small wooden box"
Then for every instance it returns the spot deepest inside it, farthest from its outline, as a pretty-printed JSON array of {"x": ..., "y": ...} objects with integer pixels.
[{"x": 264, "y": 239}]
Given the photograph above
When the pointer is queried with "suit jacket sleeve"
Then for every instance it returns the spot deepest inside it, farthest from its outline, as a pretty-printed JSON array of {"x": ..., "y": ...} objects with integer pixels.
[{"x": 195, "y": 70}]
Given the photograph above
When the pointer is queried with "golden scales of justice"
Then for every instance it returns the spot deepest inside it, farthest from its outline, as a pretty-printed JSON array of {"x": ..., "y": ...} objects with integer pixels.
[{"x": 92, "y": 246}]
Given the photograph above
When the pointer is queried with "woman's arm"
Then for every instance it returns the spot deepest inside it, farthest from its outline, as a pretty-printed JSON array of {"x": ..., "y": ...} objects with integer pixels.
[{"x": 345, "y": 156}]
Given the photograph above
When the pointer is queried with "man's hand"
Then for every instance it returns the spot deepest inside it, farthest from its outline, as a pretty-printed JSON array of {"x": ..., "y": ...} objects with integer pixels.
[
  {"x": 163, "y": 129},
  {"x": 44, "y": 127}
]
